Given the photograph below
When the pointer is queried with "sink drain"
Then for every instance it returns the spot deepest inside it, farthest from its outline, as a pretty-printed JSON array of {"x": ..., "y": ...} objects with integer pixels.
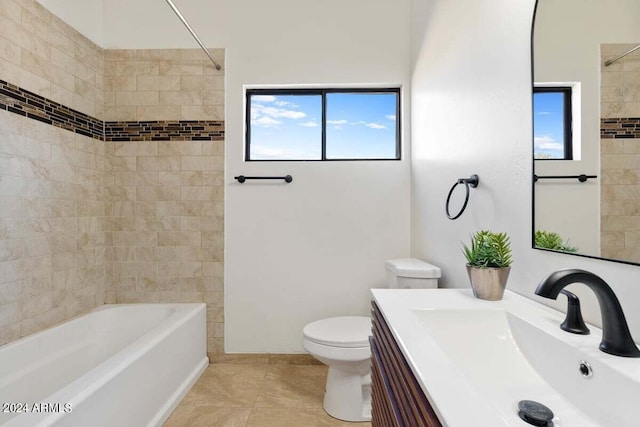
[
  {"x": 535, "y": 413},
  {"x": 585, "y": 369}
]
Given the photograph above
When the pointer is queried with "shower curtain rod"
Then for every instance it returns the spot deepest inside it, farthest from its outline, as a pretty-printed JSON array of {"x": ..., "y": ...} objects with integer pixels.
[
  {"x": 611, "y": 61},
  {"x": 195, "y": 36}
]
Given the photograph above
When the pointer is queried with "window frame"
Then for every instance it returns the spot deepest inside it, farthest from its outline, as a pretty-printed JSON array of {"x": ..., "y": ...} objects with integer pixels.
[
  {"x": 323, "y": 93},
  {"x": 567, "y": 92}
]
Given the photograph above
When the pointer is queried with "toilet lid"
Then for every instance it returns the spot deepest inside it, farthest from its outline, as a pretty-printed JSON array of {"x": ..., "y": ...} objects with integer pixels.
[{"x": 348, "y": 331}]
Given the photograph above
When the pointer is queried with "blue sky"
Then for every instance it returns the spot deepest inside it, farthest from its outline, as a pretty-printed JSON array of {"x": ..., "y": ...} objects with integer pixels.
[
  {"x": 359, "y": 125},
  {"x": 548, "y": 125}
]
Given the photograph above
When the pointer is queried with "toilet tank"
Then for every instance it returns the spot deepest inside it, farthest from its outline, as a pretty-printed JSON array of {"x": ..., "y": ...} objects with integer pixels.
[{"x": 411, "y": 273}]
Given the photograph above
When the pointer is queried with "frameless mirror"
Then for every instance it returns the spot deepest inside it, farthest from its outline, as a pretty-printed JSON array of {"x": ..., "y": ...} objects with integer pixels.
[{"x": 586, "y": 191}]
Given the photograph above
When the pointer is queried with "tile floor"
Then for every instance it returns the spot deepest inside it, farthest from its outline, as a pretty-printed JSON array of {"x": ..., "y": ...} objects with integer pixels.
[{"x": 258, "y": 391}]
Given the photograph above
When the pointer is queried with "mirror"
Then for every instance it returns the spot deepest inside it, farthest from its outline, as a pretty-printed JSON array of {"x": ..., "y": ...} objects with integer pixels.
[{"x": 587, "y": 122}]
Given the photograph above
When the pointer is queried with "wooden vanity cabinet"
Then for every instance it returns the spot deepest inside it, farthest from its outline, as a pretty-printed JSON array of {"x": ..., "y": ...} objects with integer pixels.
[{"x": 396, "y": 397}]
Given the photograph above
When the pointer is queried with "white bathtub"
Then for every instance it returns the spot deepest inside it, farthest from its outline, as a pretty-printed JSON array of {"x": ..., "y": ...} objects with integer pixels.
[{"x": 118, "y": 366}]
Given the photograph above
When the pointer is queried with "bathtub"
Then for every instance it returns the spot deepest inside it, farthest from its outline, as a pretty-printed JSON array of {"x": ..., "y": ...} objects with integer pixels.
[{"x": 121, "y": 365}]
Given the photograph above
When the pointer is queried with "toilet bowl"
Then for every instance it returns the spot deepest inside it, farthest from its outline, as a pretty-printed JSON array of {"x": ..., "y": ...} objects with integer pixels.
[{"x": 342, "y": 343}]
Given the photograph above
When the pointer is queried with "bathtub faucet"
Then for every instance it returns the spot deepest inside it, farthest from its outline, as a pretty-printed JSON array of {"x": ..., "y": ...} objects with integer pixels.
[{"x": 616, "y": 338}]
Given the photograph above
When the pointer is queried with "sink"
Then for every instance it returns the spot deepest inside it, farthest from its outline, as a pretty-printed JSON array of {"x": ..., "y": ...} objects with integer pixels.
[{"x": 476, "y": 360}]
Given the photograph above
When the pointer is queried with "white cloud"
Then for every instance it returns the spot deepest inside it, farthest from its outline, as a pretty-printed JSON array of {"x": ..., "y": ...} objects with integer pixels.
[
  {"x": 337, "y": 122},
  {"x": 261, "y": 110},
  {"x": 263, "y": 98},
  {"x": 543, "y": 113},
  {"x": 369, "y": 125},
  {"x": 546, "y": 142},
  {"x": 262, "y": 152},
  {"x": 265, "y": 122},
  {"x": 289, "y": 114},
  {"x": 391, "y": 117},
  {"x": 286, "y": 104},
  {"x": 310, "y": 124},
  {"x": 375, "y": 126},
  {"x": 338, "y": 127}
]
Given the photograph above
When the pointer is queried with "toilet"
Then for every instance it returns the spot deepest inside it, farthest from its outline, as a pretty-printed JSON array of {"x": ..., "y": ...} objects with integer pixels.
[{"x": 342, "y": 343}]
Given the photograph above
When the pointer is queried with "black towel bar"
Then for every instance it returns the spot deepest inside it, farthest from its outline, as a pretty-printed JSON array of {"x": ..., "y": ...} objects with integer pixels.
[
  {"x": 581, "y": 177},
  {"x": 242, "y": 178}
]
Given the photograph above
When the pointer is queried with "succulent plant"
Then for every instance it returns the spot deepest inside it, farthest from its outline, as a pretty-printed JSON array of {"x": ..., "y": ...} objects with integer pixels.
[
  {"x": 550, "y": 240},
  {"x": 488, "y": 249}
]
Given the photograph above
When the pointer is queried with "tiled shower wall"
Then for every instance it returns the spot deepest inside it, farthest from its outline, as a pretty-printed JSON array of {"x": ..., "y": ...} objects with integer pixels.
[
  {"x": 132, "y": 214},
  {"x": 168, "y": 217},
  {"x": 42, "y": 54},
  {"x": 53, "y": 211},
  {"x": 53, "y": 207},
  {"x": 620, "y": 154}
]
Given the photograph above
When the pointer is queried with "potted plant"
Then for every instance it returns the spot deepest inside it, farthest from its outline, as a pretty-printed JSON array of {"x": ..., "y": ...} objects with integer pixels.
[
  {"x": 553, "y": 241},
  {"x": 488, "y": 264}
]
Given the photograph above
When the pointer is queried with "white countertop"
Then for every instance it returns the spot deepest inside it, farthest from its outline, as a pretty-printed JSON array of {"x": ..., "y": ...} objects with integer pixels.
[{"x": 463, "y": 400}]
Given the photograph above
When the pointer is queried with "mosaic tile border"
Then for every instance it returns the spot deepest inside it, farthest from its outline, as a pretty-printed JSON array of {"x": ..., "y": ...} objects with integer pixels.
[
  {"x": 19, "y": 101},
  {"x": 28, "y": 104},
  {"x": 165, "y": 130},
  {"x": 623, "y": 127}
]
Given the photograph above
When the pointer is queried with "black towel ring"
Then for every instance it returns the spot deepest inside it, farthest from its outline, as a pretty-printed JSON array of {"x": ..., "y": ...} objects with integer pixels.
[{"x": 472, "y": 182}]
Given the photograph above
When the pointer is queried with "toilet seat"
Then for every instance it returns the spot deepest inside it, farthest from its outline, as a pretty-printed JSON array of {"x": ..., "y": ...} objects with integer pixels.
[{"x": 342, "y": 332}]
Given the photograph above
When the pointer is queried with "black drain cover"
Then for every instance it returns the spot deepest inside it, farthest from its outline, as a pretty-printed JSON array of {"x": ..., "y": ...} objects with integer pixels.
[{"x": 535, "y": 413}]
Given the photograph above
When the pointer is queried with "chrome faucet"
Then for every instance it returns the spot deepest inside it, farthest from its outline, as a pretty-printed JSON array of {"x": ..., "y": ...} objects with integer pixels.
[{"x": 616, "y": 338}]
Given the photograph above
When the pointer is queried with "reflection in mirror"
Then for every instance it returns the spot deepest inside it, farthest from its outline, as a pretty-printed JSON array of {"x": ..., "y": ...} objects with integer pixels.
[{"x": 592, "y": 130}]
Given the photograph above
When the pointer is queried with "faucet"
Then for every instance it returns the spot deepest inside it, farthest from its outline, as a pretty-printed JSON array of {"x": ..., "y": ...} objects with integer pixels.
[
  {"x": 573, "y": 322},
  {"x": 616, "y": 338}
]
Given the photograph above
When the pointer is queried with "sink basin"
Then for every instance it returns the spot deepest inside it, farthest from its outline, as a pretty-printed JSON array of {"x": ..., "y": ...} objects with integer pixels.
[{"x": 476, "y": 360}]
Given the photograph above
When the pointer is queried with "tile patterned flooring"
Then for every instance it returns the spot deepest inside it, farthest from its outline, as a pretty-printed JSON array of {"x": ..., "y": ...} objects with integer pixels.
[{"x": 258, "y": 391}]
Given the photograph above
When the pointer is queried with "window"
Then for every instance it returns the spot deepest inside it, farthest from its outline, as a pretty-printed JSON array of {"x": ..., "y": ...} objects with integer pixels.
[
  {"x": 552, "y": 138},
  {"x": 322, "y": 124}
]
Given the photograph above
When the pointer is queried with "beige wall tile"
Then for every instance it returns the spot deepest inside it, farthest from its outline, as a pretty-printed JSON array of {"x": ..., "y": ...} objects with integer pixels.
[
  {"x": 181, "y": 68},
  {"x": 202, "y": 193},
  {"x": 181, "y": 98},
  {"x": 180, "y": 148},
  {"x": 205, "y": 112},
  {"x": 120, "y": 83},
  {"x": 146, "y": 68},
  {"x": 11, "y": 9},
  {"x": 37, "y": 25},
  {"x": 159, "y": 112},
  {"x": 179, "y": 238},
  {"x": 155, "y": 54},
  {"x": 119, "y": 55},
  {"x": 159, "y": 163},
  {"x": 10, "y": 51},
  {"x": 157, "y": 83},
  {"x": 202, "y": 163},
  {"x": 137, "y": 98},
  {"x": 214, "y": 97},
  {"x": 183, "y": 208},
  {"x": 116, "y": 222},
  {"x": 119, "y": 113},
  {"x": 157, "y": 193},
  {"x": 25, "y": 78}
]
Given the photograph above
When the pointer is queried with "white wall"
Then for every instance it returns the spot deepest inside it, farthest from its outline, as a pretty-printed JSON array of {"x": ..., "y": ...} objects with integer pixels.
[
  {"x": 471, "y": 111},
  {"x": 299, "y": 252},
  {"x": 86, "y": 16}
]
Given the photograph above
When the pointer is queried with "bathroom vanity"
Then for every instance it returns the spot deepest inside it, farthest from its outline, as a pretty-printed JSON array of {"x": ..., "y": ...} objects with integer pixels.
[
  {"x": 443, "y": 357},
  {"x": 397, "y": 398}
]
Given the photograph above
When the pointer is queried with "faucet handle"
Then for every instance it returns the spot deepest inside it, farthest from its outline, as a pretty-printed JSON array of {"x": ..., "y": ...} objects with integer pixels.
[{"x": 573, "y": 322}]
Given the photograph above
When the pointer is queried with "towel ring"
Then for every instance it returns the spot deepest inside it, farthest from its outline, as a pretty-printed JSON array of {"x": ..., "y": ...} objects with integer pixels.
[{"x": 472, "y": 182}]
